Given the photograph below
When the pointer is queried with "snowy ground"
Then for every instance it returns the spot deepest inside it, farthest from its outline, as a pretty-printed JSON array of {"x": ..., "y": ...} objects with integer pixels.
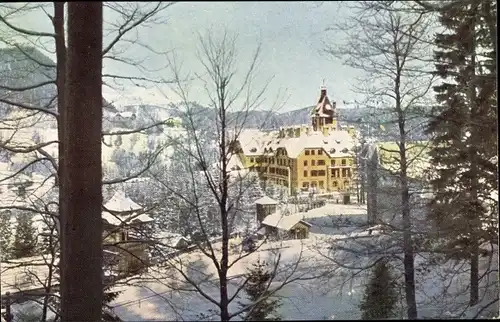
[{"x": 333, "y": 293}]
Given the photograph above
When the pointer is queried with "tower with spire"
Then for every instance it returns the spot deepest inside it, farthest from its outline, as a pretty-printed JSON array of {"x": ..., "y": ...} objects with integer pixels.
[{"x": 325, "y": 113}]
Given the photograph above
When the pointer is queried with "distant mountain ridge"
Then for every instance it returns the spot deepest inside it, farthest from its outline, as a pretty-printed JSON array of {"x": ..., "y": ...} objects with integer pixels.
[
  {"x": 380, "y": 125},
  {"x": 28, "y": 76}
]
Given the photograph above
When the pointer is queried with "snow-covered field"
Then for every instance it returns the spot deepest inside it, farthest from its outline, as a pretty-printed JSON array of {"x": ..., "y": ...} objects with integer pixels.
[
  {"x": 334, "y": 293},
  {"x": 316, "y": 287}
]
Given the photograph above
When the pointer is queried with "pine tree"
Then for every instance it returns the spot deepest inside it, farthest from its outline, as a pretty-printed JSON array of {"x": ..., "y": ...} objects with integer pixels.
[
  {"x": 465, "y": 133},
  {"x": 109, "y": 296},
  {"x": 256, "y": 289},
  {"x": 5, "y": 235},
  {"x": 380, "y": 296},
  {"x": 25, "y": 237}
]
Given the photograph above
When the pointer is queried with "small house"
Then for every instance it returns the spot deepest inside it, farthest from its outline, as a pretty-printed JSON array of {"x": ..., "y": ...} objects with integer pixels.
[
  {"x": 265, "y": 207},
  {"x": 286, "y": 226},
  {"x": 125, "y": 226}
]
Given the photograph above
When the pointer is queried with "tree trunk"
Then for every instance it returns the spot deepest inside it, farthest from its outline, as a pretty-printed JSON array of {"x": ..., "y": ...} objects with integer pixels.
[
  {"x": 475, "y": 221},
  {"x": 474, "y": 273},
  {"x": 408, "y": 261},
  {"x": 82, "y": 294}
]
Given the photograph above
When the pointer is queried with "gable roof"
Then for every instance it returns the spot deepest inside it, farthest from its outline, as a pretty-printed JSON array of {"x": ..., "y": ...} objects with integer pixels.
[
  {"x": 266, "y": 201},
  {"x": 127, "y": 211},
  {"x": 284, "y": 222},
  {"x": 120, "y": 202}
]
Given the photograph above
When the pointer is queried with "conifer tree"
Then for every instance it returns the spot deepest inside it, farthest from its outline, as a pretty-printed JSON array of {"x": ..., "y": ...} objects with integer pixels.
[
  {"x": 464, "y": 132},
  {"x": 25, "y": 237},
  {"x": 380, "y": 296},
  {"x": 5, "y": 235},
  {"x": 260, "y": 305}
]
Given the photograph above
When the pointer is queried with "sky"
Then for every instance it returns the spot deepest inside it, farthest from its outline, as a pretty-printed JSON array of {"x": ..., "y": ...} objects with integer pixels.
[{"x": 292, "y": 35}]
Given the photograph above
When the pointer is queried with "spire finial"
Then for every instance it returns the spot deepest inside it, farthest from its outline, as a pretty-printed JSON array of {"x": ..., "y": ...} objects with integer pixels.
[{"x": 323, "y": 83}]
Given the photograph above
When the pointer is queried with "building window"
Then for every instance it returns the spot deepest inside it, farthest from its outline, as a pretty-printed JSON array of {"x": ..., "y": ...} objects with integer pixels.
[
  {"x": 314, "y": 173},
  {"x": 305, "y": 173},
  {"x": 123, "y": 236},
  {"x": 305, "y": 162},
  {"x": 349, "y": 173},
  {"x": 307, "y": 152},
  {"x": 251, "y": 160},
  {"x": 321, "y": 162},
  {"x": 344, "y": 173},
  {"x": 333, "y": 163},
  {"x": 334, "y": 183},
  {"x": 343, "y": 162},
  {"x": 313, "y": 162},
  {"x": 351, "y": 162},
  {"x": 321, "y": 185},
  {"x": 320, "y": 152},
  {"x": 312, "y": 152},
  {"x": 321, "y": 173},
  {"x": 305, "y": 184}
]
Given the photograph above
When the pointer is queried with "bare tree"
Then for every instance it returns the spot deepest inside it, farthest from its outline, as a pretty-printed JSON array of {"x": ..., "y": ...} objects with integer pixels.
[
  {"x": 213, "y": 188},
  {"x": 386, "y": 47}
]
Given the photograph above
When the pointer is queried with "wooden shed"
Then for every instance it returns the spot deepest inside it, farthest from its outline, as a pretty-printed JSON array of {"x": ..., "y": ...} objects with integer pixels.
[
  {"x": 265, "y": 207},
  {"x": 286, "y": 226}
]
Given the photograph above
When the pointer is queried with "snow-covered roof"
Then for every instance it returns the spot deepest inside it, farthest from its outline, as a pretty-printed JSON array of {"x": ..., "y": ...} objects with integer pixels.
[
  {"x": 119, "y": 219},
  {"x": 120, "y": 202},
  {"x": 127, "y": 211},
  {"x": 335, "y": 144},
  {"x": 284, "y": 222},
  {"x": 266, "y": 201},
  {"x": 171, "y": 239}
]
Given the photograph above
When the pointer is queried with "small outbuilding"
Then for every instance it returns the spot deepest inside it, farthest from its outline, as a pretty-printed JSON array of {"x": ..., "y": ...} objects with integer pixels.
[
  {"x": 286, "y": 226},
  {"x": 265, "y": 207}
]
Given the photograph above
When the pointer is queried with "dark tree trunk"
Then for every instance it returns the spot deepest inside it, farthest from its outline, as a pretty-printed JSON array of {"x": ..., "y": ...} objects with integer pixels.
[
  {"x": 82, "y": 294},
  {"x": 408, "y": 261}
]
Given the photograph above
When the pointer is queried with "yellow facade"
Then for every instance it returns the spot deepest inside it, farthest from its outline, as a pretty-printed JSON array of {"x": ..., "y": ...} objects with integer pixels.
[{"x": 312, "y": 168}]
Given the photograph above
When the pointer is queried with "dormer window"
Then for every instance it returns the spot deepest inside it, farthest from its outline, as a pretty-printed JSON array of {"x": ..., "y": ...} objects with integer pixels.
[
  {"x": 253, "y": 150},
  {"x": 332, "y": 150},
  {"x": 325, "y": 142},
  {"x": 338, "y": 141},
  {"x": 345, "y": 150}
]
